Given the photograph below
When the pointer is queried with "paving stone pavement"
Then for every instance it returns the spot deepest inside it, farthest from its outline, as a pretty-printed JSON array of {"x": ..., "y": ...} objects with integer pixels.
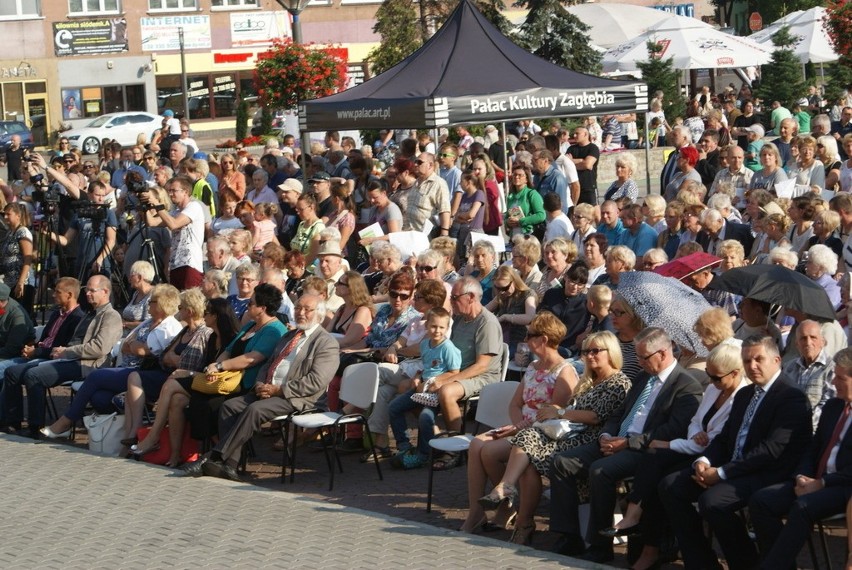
[{"x": 65, "y": 508}]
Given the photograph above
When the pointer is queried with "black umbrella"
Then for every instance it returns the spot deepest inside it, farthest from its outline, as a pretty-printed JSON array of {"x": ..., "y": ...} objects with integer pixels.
[{"x": 779, "y": 286}]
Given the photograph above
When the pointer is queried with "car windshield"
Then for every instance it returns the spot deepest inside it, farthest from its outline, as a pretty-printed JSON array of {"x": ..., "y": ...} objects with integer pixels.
[{"x": 99, "y": 122}]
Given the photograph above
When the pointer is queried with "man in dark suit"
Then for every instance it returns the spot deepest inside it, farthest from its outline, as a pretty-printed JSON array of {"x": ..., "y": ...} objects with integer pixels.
[
  {"x": 822, "y": 485},
  {"x": 658, "y": 406},
  {"x": 708, "y": 154},
  {"x": 760, "y": 445},
  {"x": 293, "y": 379},
  {"x": 678, "y": 137},
  {"x": 716, "y": 229}
]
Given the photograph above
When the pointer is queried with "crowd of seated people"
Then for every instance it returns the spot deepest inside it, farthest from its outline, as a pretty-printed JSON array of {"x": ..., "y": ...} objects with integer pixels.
[{"x": 253, "y": 274}]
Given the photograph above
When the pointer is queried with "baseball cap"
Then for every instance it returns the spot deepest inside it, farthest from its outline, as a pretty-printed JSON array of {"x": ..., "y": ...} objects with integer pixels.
[
  {"x": 291, "y": 185},
  {"x": 756, "y": 129},
  {"x": 168, "y": 113},
  {"x": 320, "y": 177}
]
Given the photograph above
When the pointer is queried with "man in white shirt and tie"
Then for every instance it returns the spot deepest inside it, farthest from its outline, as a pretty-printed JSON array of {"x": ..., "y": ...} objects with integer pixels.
[{"x": 659, "y": 406}]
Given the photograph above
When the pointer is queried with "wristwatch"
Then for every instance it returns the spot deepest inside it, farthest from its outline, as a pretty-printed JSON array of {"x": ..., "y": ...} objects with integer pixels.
[
  {"x": 560, "y": 412},
  {"x": 219, "y": 366}
]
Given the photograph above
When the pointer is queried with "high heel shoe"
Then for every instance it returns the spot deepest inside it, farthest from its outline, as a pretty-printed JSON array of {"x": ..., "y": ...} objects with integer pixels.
[
  {"x": 613, "y": 532},
  {"x": 523, "y": 534},
  {"x": 136, "y": 452},
  {"x": 50, "y": 434},
  {"x": 495, "y": 498},
  {"x": 477, "y": 527}
]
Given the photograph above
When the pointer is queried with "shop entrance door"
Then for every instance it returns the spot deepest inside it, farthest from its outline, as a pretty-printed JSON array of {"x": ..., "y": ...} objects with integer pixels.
[{"x": 36, "y": 118}]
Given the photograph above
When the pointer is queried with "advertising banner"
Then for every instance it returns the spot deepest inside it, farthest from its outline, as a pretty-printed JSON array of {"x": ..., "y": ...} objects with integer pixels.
[
  {"x": 257, "y": 29},
  {"x": 162, "y": 34},
  {"x": 90, "y": 37}
]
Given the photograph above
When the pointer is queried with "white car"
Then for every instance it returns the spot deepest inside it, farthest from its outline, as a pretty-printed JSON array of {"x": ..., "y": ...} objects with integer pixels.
[{"x": 121, "y": 127}]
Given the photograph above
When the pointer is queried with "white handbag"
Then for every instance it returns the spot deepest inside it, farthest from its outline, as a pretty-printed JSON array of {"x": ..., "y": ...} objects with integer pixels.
[{"x": 105, "y": 433}]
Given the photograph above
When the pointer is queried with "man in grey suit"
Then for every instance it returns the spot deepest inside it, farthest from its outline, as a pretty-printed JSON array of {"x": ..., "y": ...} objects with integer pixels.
[
  {"x": 294, "y": 379},
  {"x": 88, "y": 349},
  {"x": 659, "y": 406}
]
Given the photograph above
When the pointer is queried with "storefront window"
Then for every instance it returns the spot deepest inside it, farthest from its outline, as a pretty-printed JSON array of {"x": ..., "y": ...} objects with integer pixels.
[
  {"x": 13, "y": 101},
  {"x": 212, "y": 96},
  {"x": 96, "y": 101}
]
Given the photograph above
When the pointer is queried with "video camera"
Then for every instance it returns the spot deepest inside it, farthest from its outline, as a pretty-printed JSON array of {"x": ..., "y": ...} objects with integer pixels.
[
  {"x": 136, "y": 184},
  {"x": 90, "y": 210}
]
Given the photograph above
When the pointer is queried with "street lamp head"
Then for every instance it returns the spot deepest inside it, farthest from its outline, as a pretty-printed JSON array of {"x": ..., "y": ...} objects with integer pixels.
[{"x": 295, "y": 7}]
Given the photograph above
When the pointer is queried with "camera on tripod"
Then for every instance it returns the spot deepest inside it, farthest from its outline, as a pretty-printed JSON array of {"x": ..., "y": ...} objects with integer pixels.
[
  {"x": 46, "y": 195},
  {"x": 90, "y": 210},
  {"x": 137, "y": 186}
]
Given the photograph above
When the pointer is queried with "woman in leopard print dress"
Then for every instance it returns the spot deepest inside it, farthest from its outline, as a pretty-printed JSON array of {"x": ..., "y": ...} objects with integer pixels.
[{"x": 602, "y": 389}]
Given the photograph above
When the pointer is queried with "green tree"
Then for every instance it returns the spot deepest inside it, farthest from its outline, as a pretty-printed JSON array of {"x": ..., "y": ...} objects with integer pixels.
[
  {"x": 554, "y": 34},
  {"x": 781, "y": 79},
  {"x": 660, "y": 75},
  {"x": 397, "y": 24},
  {"x": 838, "y": 24}
]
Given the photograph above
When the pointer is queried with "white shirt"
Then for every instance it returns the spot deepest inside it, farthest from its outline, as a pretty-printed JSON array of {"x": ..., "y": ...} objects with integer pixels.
[
  {"x": 560, "y": 226},
  {"x": 187, "y": 241},
  {"x": 637, "y": 426},
  {"x": 279, "y": 376}
]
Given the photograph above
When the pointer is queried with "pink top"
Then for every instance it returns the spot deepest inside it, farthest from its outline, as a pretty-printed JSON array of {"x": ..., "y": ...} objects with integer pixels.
[
  {"x": 263, "y": 233},
  {"x": 538, "y": 389}
]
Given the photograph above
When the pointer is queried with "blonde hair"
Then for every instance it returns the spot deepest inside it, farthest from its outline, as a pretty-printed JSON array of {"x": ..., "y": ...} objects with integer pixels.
[
  {"x": 605, "y": 340},
  {"x": 714, "y": 326}
]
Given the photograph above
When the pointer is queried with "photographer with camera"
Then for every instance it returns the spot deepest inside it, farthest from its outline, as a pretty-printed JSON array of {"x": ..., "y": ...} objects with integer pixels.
[
  {"x": 186, "y": 222},
  {"x": 126, "y": 167},
  {"x": 95, "y": 225}
]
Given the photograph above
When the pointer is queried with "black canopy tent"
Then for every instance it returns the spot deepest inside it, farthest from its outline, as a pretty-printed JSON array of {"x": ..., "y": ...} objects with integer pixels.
[{"x": 469, "y": 72}]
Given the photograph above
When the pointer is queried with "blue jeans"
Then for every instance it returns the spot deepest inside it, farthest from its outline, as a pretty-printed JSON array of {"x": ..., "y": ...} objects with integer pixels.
[{"x": 397, "y": 409}]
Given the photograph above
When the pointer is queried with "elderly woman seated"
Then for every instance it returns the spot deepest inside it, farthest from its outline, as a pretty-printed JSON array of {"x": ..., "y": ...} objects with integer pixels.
[
  {"x": 482, "y": 268},
  {"x": 248, "y": 276},
  {"x": 146, "y": 341},
  {"x": 215, "y": 284},
  {"x": 821, "y": 267},
  {"x": 526, "y": 253},
  {"x": 559, "y": 254},
  {"x": 654, "y": 258},
  {"x": 619, "y": 259},
  {"x": 387, "y": 259},
  {"x": 141, "y": 279},
  {"x": 732, "y": 253}
]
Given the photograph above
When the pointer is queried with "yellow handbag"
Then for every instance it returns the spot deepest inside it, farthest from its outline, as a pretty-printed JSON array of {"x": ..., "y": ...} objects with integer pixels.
[{"x": 225, "y": 382}]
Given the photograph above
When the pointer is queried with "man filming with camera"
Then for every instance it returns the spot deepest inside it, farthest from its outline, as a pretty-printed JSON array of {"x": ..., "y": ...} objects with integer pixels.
[
  {"x": 94, "y": 224},
  {"x": 186, "y": 222}
]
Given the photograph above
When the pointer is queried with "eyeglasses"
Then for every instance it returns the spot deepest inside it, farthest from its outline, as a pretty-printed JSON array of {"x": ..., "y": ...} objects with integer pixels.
[
  {"x": 418, "y": 162},
  {"x": 425, "y": 268},
  {"x": 647, "y": 358},
  {"x": 617, "y": 313},
  {"x": 518, "y": 175},
  {"x": 63, "y": 142},
  {"x": 183, "y": 131},
  {"x": 446, "y": 155},
  {"x": 300, "y": 308},
  {"x": 530, "y": 335},
  {"x": 90, "y": 290},
  {"x": 714, "y": 378},
  {"x": 399, "y": 295},
  {"x": 592, "y": 351},
  {"x": 459, "y": 296},
  {"x": 343, "y": 283},
  {"x": 503, "y": 289}
]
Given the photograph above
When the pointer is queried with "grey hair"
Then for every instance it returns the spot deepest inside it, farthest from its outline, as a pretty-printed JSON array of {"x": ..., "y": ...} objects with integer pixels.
[
  {"x": 628, "y": 160},
  {"x": 843, "y": 358},
  {"x": 261, "y": 172},
  {"x": 654, "y": 338},
  {"x": 431, "y": 256},
  {"x": 143, "y": 269},
  {"x": 220, "y": 279},
  {"x": 248, "y": 268},
  {"x": 823, "y": 257},
  {"x": 487, "y": 246},
  {"x": 720, "y": 201},
  {"x": 784, "y": 254},
  {"x": 711, "y": 215},
  {"x": 471, "y": 285},
  {"x": 220, "y": 244}
]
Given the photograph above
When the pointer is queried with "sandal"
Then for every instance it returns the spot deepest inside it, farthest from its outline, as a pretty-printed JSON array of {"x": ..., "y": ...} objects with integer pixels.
[
  {"x": 381, "y": 453},
  {"x": 523, "y": 534},
  {"x": 447, "y": 462}
]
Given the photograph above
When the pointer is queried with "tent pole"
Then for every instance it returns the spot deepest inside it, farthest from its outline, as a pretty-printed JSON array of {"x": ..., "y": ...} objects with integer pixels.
[
  {"x": 306, "y": 149},
  {"x": 507, "y": 171},
  {"x": 647, "y": 158}
]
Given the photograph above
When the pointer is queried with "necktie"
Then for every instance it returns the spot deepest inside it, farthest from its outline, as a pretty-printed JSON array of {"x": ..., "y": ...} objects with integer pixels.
[
  {"x": 744, "y": 427},
  {"x": 835, "y": 437},
  {"x": 640, "y": 401},
  {"x": 290, "y": 347}
]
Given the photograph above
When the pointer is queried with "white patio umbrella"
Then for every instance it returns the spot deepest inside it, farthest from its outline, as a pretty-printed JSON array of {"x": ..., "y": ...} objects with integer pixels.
[
  {"x": 613, "y": 24},
  {"x": 813, "y": 44},
  {"x": 691, "y": 43}
]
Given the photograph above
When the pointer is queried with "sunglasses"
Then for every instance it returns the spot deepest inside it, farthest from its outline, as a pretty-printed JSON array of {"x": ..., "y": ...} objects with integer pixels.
[
  {"x": 399, "y": 295},
  {"x": 650, "y": 356},
  {"x": 425, "y": 268},
  {"x": 530, "y": 335},
  {"x": 419, "y": 162},
  {"x": 343, "y": 283},
  {"x": 592, "y": 351},
  {"x": 446, "y": 155},
  {"x": 617, "y": 313},
  {"x": 714, "y": 378},
  {"x": 504, "y": 288}
]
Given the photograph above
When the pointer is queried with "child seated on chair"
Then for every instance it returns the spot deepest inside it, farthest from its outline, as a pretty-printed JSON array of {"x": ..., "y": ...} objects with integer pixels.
[{"x": 439, "y": 356}]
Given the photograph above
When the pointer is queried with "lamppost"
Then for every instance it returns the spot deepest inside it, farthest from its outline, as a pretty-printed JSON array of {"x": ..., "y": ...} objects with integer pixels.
[{"x": 295, "y": 7}]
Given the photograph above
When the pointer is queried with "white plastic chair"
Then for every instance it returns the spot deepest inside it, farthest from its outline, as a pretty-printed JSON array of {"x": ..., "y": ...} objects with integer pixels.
[
  {"x": 504, "y": 371},
  {"x": 492, "y": 411},
  {"x": 359, "y": 387}
]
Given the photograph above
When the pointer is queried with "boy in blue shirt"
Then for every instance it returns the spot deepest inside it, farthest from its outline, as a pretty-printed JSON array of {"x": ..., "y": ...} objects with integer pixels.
[{"x": 439, "y": 356}]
